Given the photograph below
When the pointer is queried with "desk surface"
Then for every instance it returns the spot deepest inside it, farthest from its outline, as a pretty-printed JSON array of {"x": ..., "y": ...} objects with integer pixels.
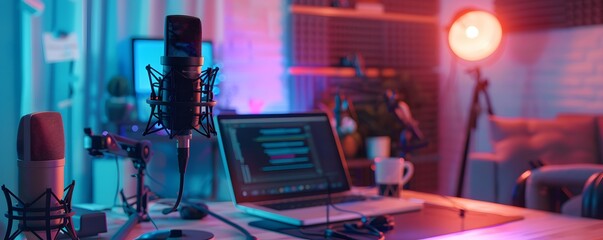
[{"x": 536, "y": 224}]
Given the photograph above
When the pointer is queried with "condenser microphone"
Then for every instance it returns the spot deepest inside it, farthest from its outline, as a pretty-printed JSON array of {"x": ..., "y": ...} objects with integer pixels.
[
  {"x": 181, "y": 98},
  {"x": 182, "y": 63},
  {"x": 41, "y": 153},
  {"x": 182, "y": 57}
]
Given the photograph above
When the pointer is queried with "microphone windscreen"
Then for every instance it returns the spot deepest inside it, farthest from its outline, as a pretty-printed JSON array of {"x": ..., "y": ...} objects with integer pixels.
[
  {"x": 41, "y": 137},
  {"x": 182, "y": 36}
]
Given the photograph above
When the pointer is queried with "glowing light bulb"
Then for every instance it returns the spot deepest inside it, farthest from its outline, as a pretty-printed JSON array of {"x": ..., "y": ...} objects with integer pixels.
[
  {"x": 474, "y": 35},
  {"x": 472, "y": 32}
]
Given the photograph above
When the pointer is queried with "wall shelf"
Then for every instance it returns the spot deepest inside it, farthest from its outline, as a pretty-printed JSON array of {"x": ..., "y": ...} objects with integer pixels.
[
  {"x": 353, "y": 13},
  {"x": 341, "y": 71},
  {"x": 398, "y": 41}
]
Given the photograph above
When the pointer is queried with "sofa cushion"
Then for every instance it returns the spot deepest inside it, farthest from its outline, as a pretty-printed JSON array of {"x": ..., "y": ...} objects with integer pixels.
[
  {"x": 598, "y": 126},
  {"x": 552, "y": 141}
]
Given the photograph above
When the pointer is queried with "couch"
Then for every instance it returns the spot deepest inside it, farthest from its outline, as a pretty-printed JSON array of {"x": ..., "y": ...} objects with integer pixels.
[{"x": 518, "y": 142}]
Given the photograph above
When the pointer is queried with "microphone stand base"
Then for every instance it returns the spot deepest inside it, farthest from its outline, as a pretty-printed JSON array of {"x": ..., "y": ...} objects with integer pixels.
[{"x": 177, "y": 234}]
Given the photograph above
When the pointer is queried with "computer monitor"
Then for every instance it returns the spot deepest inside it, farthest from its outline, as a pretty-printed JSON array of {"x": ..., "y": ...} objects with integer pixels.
[{"x": 147, "y": 51}]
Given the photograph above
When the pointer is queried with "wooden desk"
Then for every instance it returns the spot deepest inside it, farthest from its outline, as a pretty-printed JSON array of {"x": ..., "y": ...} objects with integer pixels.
[{"x": 536, "y": 224}]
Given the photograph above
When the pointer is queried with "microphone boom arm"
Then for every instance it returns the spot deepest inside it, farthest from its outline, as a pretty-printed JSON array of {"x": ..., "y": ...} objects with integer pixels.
[
  {"x": 140, "y": 153},
  {"x": 97, "y": 145}
]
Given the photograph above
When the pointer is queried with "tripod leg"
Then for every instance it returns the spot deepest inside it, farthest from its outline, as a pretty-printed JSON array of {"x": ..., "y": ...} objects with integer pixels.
[
  {"x": 471, "y": 124},
  {"x": 488, "y": 102}
]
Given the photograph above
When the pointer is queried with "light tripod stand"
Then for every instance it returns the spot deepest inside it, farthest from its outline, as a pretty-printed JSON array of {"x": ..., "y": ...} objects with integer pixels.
[
  {"x": 481, "y": 87},
  {"x": 474, "y": 35}
]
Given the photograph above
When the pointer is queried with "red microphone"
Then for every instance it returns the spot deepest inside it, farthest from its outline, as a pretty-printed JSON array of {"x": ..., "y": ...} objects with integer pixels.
[{"x": 41, "y": 153}]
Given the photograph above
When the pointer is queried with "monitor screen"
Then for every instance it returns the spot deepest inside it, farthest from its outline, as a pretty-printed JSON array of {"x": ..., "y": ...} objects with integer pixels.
[{"x": 147, "y": 51}]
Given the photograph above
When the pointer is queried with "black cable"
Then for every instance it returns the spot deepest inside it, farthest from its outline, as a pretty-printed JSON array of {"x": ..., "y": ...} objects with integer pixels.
[
  {"x": 118, "y": 182},
  {"x": 183, "y": 157},
  {"x": 363, "y": 217},
  {"x": 329, "y": 232},
  {"x": 462, "y": 210},
  {"x": 455, "y": 205},
  {"x": 152, "y": 221},
  {"x": 365, "y": 223},
  {"x": 333, "y": 233},
  {"x": 146, "y": 171},
  {"x": 248, "y": 235},
  {"x": 178, "y": 199},
  {"x": 318, "y": 234},
  {"x": 163, "y": 186},
  {"x": 125, "y": 205}
]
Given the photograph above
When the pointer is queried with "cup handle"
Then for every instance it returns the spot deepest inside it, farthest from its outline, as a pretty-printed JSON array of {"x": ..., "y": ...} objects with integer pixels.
[{"x": 410, "y": 170}]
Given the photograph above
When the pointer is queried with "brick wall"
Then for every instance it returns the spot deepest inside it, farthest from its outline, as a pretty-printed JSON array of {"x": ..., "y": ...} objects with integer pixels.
[
  {"x": 535, "y": 74},
  {"x": 407, "y": 47},
  {"x": 251, "y": 49}
]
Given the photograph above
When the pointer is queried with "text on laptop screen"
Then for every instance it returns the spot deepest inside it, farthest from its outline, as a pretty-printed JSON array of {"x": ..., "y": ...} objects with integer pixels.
[{"x": 284, "y": 155}]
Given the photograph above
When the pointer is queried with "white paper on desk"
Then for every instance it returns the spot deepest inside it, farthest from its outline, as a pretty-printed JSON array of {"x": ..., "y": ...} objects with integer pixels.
[{"x": 61, "y": 48}]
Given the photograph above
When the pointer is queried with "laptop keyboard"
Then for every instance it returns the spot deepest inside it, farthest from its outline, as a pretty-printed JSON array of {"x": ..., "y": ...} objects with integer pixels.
[{"x": 314, "y": 202}]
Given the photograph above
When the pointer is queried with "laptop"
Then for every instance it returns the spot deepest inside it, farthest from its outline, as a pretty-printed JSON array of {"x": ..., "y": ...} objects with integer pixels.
[{"x": 287, "y": 167}]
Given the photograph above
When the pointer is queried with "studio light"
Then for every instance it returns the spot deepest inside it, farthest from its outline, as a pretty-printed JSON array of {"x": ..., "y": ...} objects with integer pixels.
[{"x": 473, "y": 36}]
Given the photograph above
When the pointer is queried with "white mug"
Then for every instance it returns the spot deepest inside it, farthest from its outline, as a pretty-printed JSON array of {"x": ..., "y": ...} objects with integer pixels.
[{"x": 391, "y": 173}]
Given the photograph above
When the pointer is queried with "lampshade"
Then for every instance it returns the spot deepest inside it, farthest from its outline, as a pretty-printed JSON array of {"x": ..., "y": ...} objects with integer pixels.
[{"x": 474, "y": 35}]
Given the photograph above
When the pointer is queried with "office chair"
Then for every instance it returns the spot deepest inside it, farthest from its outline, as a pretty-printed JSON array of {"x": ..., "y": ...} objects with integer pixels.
[{"x": 572, "y": 189}]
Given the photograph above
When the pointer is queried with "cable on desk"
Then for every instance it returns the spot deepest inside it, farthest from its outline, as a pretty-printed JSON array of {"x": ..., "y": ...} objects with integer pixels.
[
  {"x": 329, "y": 232},
  {"x": 363, "y": 218},
  {"x": 319, "y": 234},
  {"x": 248, "y": 235},
  {"x": 462, "y": 210},
  {"x": 153, "y": 222},
  {"x": 365, "y": 224}
]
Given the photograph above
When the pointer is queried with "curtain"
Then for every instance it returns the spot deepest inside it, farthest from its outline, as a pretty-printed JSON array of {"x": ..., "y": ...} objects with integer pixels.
[
  {"x": 248, "y": 31},
  {"x": 11, "y": 64}
]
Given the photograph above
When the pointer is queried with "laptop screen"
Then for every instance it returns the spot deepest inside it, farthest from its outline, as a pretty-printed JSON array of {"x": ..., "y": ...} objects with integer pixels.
[{"x": 275, "y": 156}]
